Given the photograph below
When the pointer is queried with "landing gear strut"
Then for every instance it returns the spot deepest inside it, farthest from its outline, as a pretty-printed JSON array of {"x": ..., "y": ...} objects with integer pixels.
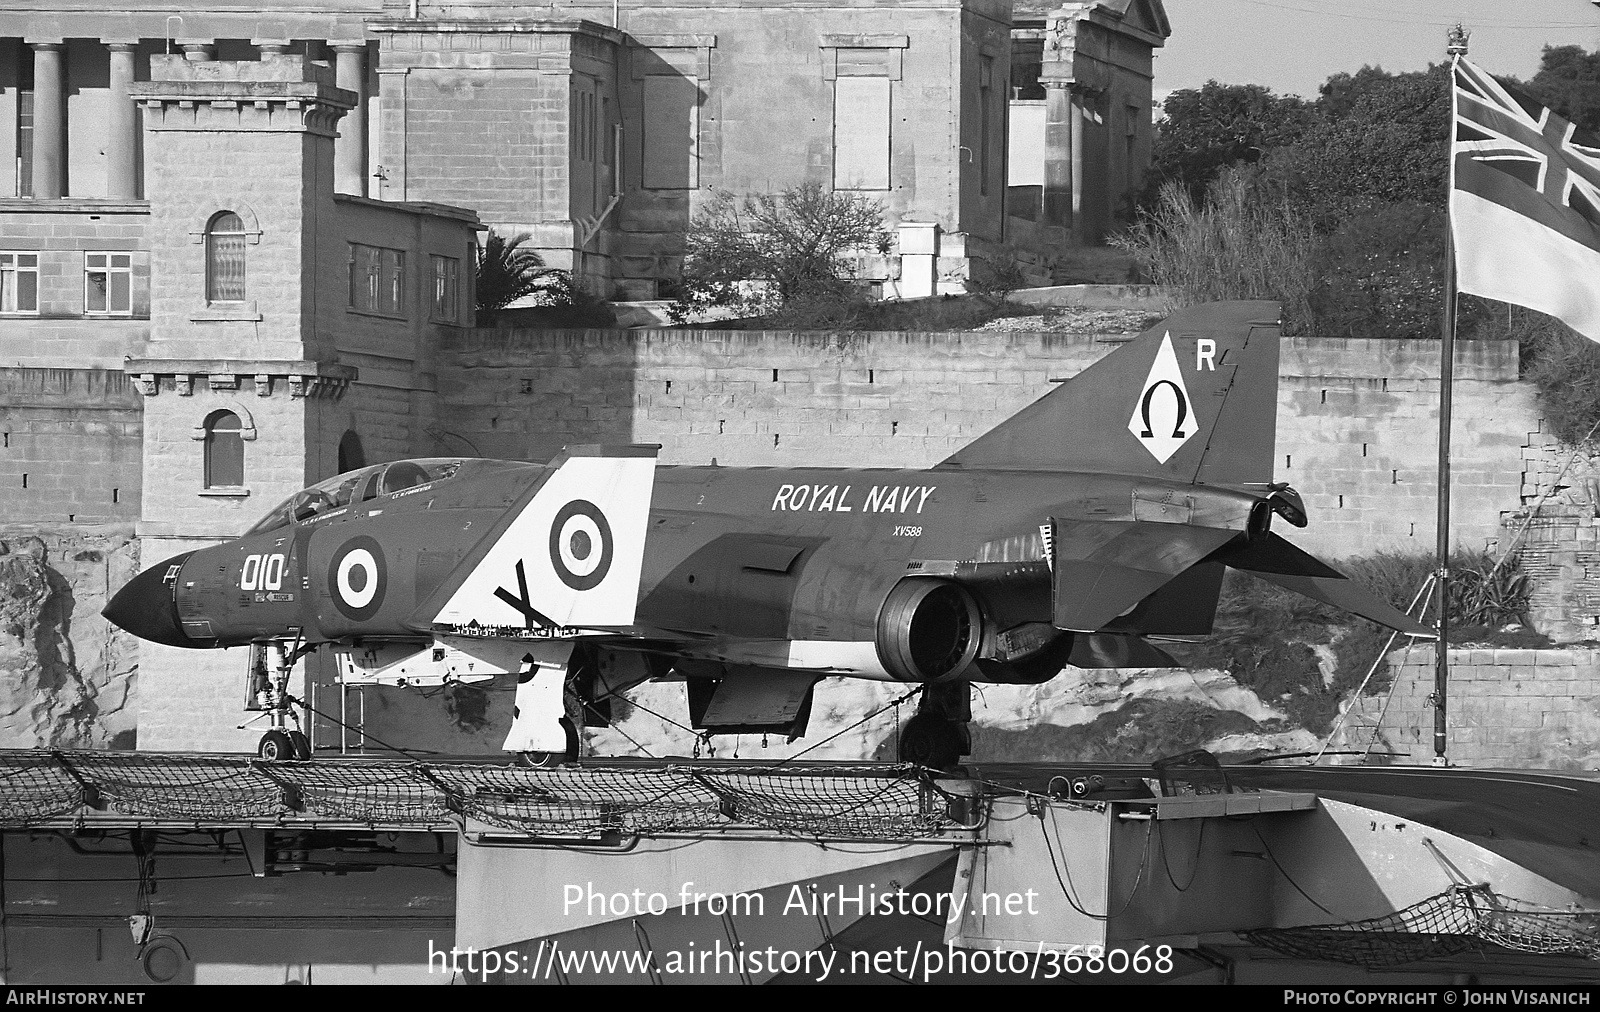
[
  {"x": 937, "y": 735},
  {"x": 270, "y": 689},
  {"x": 546, "y": 714}
]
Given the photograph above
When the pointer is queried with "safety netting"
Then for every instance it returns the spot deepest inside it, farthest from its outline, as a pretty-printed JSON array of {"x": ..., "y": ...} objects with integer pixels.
[
  {"x": 1460, "y": 919},
  {"x": 831, "y": 800}
]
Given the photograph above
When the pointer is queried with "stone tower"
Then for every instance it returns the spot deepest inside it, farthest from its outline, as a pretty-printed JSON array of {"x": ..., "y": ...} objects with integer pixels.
[{"x": 270, "y": 296}]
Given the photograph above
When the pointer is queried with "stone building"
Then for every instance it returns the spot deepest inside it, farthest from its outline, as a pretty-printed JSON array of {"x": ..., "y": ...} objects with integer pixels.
[
  {"x": 597, "y": 127},
  {"x": 1080, "y": 103}
]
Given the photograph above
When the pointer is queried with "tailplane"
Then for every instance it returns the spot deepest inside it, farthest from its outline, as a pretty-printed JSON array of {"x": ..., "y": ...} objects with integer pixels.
[{"x": 1193, "y": 399}]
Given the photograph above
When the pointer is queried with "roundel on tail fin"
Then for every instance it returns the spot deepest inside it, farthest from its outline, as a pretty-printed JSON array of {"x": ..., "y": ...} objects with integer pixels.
[{"x": 581, "y": 545}]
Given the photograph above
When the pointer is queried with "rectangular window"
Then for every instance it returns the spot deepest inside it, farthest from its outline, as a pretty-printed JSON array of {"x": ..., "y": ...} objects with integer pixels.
[
  {"x": 446, "y": 288},
  {"x": 108, "y": 283},
  {"x": 377, "y": 279},
  {"x": 861, "y": 133},
  {"x": 19, "y": 282}
]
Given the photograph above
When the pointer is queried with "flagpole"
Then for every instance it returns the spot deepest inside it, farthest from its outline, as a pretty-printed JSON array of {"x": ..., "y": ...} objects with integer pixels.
[{"x": 1456, "y": 48}]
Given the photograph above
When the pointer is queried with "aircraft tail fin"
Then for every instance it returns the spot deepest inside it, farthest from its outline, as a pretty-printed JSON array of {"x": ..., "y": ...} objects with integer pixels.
[
  {"x": 1192, "y": 399},
  {"x": 567, "y": 554}
]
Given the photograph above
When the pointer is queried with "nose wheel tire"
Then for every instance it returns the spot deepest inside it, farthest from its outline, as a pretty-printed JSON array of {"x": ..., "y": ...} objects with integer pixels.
[
  {"x": 301, "y": 744},
  {"x": 276, "y": 746}
]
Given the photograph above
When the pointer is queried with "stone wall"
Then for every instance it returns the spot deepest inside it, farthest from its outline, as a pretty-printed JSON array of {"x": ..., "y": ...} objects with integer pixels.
[
  {"x": 1557, "y": 534},
  {"x": 1357, "y": 419},
  {"x": 1534, "y": 709},
  {"x": 69, "y": 447}
]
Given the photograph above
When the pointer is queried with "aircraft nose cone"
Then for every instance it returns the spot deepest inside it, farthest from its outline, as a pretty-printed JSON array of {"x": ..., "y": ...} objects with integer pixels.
[{"x": 146, "y": 606}]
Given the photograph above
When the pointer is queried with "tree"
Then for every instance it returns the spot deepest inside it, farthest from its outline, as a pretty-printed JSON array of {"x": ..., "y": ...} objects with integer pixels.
[
  {"x": 1376, "y": 138},
  {"x": 508, "y": 272},
  {"x": 1366, "y": 165},
  {"x": 1205, "y": 130},
  {"x": 794, "y": 246},
  {"x": 1568, "y": 82}
]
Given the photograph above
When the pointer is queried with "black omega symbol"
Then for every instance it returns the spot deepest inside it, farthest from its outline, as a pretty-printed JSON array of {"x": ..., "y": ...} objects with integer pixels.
[{"x": 1183, "y": 408}]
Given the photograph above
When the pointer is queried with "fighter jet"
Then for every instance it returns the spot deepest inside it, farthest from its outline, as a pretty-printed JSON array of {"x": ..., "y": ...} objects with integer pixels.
[{"x": 1098, "y": 519}]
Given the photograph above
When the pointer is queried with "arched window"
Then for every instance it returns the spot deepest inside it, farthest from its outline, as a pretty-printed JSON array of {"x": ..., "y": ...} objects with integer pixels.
[
  {"x": 350, "y": 456},
  {"x": 224, "y": 451},
  {"x": 225, "y": 238}
]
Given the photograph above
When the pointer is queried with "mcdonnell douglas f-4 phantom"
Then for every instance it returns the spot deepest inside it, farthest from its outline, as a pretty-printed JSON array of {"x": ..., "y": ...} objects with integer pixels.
[{"x": 1096, "y": 519}]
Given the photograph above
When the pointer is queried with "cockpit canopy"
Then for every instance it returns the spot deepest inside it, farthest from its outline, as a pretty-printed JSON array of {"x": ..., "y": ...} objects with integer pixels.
[{"x": 356, "y": 487}]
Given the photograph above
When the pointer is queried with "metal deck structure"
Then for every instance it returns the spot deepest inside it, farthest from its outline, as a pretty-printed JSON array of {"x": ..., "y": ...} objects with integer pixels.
[
  {"x": 72, "y": 790},
  {"x": 1383, "y": 869}
]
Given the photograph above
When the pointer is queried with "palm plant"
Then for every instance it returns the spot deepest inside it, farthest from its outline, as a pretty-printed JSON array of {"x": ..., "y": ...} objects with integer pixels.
[{"x": 507, "y": 272}]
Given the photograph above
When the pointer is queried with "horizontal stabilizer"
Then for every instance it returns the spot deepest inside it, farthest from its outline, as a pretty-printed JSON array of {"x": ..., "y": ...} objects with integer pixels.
[
  {"x": 1103, "y": 568},
  {"x": 1277, "y": 561},
  {"x": 1101, "y": 650}
]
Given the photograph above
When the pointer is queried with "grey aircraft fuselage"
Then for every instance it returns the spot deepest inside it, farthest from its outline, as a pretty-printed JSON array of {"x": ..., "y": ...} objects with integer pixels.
[{"x": 736, "y": 560}]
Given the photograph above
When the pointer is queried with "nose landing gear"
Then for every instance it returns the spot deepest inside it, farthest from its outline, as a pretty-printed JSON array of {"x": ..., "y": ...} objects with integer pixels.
[{"x": 269, "y": 690}]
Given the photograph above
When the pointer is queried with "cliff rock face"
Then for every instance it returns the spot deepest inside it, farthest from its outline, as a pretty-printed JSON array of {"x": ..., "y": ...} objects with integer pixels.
[{"x": 66, "y": 675}]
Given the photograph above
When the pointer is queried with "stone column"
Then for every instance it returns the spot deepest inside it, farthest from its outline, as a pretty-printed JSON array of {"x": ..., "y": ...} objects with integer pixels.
[
  {"x": 49, "y": 120},
  {"x": 1079, "y": 225},
  {"x": 122, "y": 141},
  {"x": 350, "y": 151},
  {"x": 1059, "y": 192}
]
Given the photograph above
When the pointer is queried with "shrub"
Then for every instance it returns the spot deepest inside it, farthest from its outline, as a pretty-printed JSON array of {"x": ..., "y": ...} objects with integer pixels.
[
  {"x": 1233, "y": 245},
  {"x": 761, "y": 253},
  {"x": 1566, "y": 370},
  {"x": 1381, "y": 274}
]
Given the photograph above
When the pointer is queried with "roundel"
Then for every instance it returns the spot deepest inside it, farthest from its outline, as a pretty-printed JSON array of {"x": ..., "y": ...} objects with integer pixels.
[
  {"x": 580, "y": 545},
  {"x": 357, "y": 578}
]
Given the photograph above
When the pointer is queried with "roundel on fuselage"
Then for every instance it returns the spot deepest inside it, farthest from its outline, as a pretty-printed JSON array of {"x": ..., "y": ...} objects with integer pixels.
[
  {"x": 358, "y": 578},
  {"x": 581, "y": 545}
]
